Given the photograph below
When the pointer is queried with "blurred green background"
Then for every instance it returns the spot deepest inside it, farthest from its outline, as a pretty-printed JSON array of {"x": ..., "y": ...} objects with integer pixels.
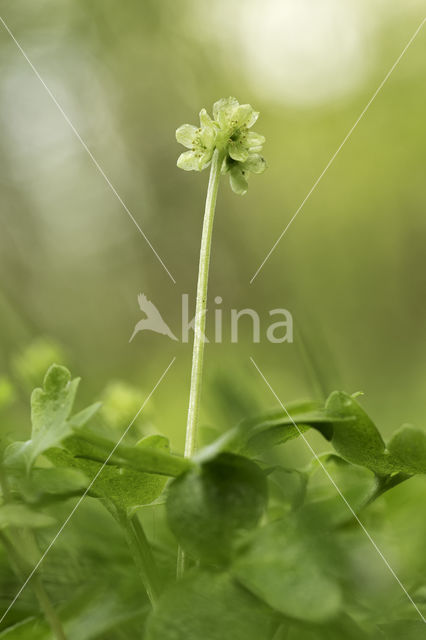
[{"x": 351, "y": 269}]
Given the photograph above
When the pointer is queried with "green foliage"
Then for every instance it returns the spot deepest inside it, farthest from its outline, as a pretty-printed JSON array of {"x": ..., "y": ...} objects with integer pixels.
[
  {"x": 122, "y": 486},
  {"x": 46, "y": 484},
  {"x": 90, "y": 614},
  {"x": 267, "y": 541},
  {"x": 209, "y": 505},
  {"x": 407, "y": 449},
  {"x": 359, "y": 442},
  {"x": 286, "y": 565},
  {"x": 211, "y": 606},
  {"x": 19, "y": 515},
  {"x": 150, "y": 459},
  {"x": 277, "y": 427},
  {"x": 51, "y": 408}
]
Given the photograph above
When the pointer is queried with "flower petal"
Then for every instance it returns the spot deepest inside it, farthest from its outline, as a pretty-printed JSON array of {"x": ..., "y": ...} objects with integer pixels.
[
  {"x": 208, "y": 136},
  {"x": 224, "y": 109},
  {"x": 244, "y": 116},
  {"x": 205, "y": 159},
  {"x": 254, "y": 139},
  {"x": 238, "y": 181},
  {"x": 189, "y": 161},
  {"x": 205, "y": 119},
  {"x": 238, "y": 151},
  {"x": 254, "y": 116},
  {"x": 185, "y": 135},
  {"x": 255, "y": 163}
]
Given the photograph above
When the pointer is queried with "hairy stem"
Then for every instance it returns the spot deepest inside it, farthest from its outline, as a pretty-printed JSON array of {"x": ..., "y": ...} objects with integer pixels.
[
  {"x": 142, "y": 554},
  {"x": 201, "y": 306},
  {"x": 200, "y": 319}
]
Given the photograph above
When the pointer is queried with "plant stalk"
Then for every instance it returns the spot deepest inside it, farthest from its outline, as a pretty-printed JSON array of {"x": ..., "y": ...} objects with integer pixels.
[
  {"x": 201, "y": 306},
  {"x": 200, "y": 319},
  {"x": 142, "y": 554}
]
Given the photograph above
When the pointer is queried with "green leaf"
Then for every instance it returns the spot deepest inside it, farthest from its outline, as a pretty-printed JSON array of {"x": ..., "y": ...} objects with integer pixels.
[
  {"x": 284, "y": 565},
  {"x": 359, "y": 440},
  {"x": 51, "y": 408},
  {"x": 148, "y": 459},
  {"x": 156, "y": 441},
  {"x": 208, "y": 505},
  {"x": 83, "y": 417},
  {"x": 356, "y": 483},
  {"x": 46, "y": 484},
  {"x": 289, "y": 485},
  {"x": 253, "y": 436},
  {"x": 19, "y": 515},
  {"x": 277, "y": 427},
  {"x": 407, "y": 449},
  {"x": 209, "y": 606},
  {"x": 124, "y": 487}
]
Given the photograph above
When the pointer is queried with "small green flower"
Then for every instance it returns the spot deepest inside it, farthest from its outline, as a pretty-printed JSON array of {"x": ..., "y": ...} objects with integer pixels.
[{"x": 229, "y": 133}]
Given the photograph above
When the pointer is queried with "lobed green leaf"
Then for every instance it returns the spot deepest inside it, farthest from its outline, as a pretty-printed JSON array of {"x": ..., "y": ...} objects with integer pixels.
[
  {"x": 51, "y": 408},
  {"x": 358, "y": 441},
  {"x": 122, "y": 486}
]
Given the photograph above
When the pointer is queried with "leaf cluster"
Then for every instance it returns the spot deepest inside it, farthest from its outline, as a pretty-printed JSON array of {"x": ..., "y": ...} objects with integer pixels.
[{"x": 265, "y": 554}]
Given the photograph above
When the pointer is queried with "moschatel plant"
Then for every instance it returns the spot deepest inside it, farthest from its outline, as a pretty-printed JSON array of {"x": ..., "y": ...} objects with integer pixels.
[{"x": 261, "y": 552}]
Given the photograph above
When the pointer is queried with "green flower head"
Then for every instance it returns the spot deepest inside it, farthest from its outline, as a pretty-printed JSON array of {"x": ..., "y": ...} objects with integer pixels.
[{"x": 229, "y": 132}]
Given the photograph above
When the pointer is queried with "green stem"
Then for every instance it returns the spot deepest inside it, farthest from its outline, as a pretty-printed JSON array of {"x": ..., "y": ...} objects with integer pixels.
[
  {"x": 200, "y": 319},
  {"x": 201, "y": 306},
  {"x": 142, "y": 554}
]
